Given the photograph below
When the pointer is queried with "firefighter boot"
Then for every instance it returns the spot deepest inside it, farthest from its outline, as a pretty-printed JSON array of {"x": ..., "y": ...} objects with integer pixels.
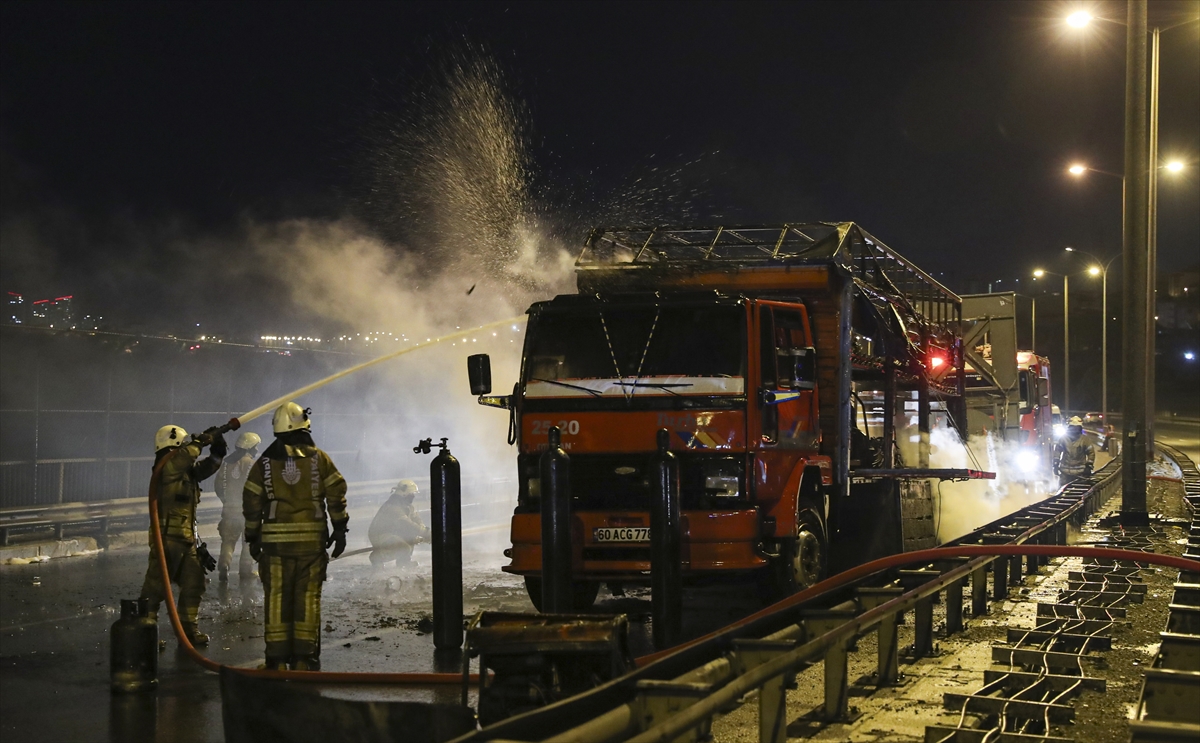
[
  {"x": 194, "y": 635},
  {"x": 306, "y": 663},
  {"x": 273, "y": 664}
]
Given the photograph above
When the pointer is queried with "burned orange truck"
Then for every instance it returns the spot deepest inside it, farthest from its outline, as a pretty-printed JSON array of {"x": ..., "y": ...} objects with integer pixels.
[{"x": 773, "y": 356}]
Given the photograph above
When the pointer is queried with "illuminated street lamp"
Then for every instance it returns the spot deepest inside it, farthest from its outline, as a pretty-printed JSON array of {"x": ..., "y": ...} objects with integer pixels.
[
  {"x": 1079, "y": 19},
  {"x": 1101, "y": 269}
]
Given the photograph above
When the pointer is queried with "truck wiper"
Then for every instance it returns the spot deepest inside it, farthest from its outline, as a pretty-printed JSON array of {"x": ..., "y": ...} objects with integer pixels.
[
  {"x": 589, "y": 390},
  {"x": 665, "y": 387}
]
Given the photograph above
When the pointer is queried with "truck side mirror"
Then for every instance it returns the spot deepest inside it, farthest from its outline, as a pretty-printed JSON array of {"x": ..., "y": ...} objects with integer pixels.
[
  {"x": 805, "y": 375},
  {"x": 479, "y": 370}
]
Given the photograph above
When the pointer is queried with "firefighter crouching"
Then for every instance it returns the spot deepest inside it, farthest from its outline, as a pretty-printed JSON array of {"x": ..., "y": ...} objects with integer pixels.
[
  {"x": 1074, "y": 454},
  {"x": 287, "y": 495},
  {"x": 229, "y": 484},
  {"x": 396, "y": 528},
  {"x": 178, "y": 477}
]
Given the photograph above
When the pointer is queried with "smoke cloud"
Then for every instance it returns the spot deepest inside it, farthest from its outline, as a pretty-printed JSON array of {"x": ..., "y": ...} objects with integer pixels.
[{"x": 960, "y": 507}]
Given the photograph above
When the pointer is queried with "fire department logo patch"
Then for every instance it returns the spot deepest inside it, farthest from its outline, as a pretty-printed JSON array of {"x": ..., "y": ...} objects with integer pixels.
[{"x": 291, "y": 473}]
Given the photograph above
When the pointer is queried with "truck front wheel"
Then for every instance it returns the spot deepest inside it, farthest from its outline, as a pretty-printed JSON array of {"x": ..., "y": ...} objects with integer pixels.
[
  {"x": 802, "y": 561},
  {"x": 583, "y": 593}
]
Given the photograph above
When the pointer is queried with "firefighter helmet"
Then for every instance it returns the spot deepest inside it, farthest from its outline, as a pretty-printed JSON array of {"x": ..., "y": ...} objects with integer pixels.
[
  {"x": 291, "y": 417},
  {"x": 1075, "y": 421},
  {"x": 248, "y": 441},
  {"x": 169, "y": 436},
  {"x": 405, "y": 487}
]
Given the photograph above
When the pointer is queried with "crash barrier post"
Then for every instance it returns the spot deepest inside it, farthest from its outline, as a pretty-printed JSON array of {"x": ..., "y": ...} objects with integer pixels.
[
  {"x": 445, "y": 503},
  {"x": 666, "y": 538},
  {"x": 555, "y": 470}
]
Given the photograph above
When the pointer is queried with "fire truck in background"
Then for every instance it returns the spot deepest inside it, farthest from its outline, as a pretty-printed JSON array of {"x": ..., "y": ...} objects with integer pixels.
[
  {"x": 772, "y": 356},
  {"x": 1007, "y": 389}
]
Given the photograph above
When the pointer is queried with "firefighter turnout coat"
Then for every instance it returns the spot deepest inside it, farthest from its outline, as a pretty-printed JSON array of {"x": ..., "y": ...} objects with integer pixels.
[{"x": 286, "y": 502}]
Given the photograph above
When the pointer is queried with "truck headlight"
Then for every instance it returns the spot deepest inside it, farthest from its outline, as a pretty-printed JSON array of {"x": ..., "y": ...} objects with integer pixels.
[{"x": 722, "y": 478}]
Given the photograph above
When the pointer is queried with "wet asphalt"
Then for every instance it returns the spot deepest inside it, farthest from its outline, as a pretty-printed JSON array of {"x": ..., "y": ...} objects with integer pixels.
[{"x": 55, "y": 618}]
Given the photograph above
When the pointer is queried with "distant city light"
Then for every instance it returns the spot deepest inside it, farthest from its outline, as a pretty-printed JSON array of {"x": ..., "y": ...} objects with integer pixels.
[
  {"x": 1189, "y": 355},
  {"x": 1079, "y": 19}
]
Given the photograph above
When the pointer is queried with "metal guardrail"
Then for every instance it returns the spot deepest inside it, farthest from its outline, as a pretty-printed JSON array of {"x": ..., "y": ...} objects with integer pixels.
[
  {"x": 1167, "y": 708},
  {"x": 677, "y": 696},
  {"x": 50, "y": 482},
  {"x": 491, "y": 499}
]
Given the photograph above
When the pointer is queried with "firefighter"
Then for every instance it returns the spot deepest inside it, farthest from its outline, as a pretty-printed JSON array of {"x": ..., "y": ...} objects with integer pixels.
[
  {"x": 230, "y": 481},
  {"x": 1074, "y": 454},
  {"x": 177, "y": 477},
  {"x": 396, "y": 528},
  {"x": 289, "y": 492}
]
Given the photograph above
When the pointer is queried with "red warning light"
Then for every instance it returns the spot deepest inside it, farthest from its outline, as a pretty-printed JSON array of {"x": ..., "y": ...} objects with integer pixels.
[{"x": 936, "y": 361}]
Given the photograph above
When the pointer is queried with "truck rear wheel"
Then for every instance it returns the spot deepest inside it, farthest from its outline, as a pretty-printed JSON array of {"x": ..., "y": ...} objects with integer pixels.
[
  {"x": 802, "y": 561},
  {"x": 583, "y": 593}
]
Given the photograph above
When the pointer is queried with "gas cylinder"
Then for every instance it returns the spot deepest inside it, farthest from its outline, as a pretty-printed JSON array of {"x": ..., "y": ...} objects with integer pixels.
[
  {"x": 446, "y": 512},
  {"x": 133, "y": 645}
]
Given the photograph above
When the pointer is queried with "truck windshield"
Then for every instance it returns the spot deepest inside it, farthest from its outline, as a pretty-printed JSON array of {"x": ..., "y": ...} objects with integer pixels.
[{"x": 642, "y": 351}]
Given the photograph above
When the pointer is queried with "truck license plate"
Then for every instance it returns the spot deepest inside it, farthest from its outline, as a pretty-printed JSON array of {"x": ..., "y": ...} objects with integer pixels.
[{"x": 621, "y": 534}]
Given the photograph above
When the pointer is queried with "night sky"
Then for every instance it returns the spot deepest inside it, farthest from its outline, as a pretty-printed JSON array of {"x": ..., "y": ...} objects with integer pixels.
[{"x": 944, "y": 128}]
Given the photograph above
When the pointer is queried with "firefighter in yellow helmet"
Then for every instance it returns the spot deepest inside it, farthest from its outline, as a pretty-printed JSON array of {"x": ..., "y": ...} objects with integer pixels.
[
  {"x": 1074, "y": 454},
  {"x": 229, "y": 484},
  {"x": 289, "y": 492},
  {"x": 177, "y": 476},
  {"x": 397, "y": 528}
]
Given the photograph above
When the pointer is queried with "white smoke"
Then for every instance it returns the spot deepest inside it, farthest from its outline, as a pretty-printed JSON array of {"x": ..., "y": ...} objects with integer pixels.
[{"x": 962, "y": 506}]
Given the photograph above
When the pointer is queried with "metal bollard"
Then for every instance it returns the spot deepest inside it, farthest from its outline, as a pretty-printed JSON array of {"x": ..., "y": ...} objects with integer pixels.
[
  {"x": 445, "y": 506},
  {"x": 666, "y": 542},
  {"x": 555, "y": 468}
]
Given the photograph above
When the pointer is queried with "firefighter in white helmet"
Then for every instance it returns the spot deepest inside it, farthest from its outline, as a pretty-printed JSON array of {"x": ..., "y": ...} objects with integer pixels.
[
  {"x": 229, "y": 484},
  {"x": 1074, "y": 454},
  {"x": 396, "y": 528},
  {"x": 289, "y": 492},
  {"x": 176, "y": 484}
]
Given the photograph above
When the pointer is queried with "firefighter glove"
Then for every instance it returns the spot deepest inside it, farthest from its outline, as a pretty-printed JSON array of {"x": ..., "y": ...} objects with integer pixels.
[
  {"x": 218, "y": 448},
  {"x": 254, "y": 544},
  {"x": 207, "y": 561},
  {"x": 337, "y": 539}
]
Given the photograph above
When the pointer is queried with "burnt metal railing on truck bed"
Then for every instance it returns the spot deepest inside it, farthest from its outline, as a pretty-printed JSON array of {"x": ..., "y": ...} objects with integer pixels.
[{"x": 865, "y": 256}]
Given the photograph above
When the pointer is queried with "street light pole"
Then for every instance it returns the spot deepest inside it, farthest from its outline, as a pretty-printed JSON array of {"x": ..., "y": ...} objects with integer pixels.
[
  {"x": 1101, "y": 270},
  {"x": 1066, "y": 344},
  {"x": 1037, "y": 274},
  {"x": 1135, "y": 252},
  {"x": 1033, "y": 325},
  {"x": 1152, "y": 246}
]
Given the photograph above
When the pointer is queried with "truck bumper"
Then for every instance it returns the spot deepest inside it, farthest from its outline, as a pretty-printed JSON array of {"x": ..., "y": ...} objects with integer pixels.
[{"x": 713, "y": 541}]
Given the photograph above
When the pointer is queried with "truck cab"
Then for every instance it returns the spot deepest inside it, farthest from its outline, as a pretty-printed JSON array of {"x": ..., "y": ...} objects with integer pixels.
[{"x": 749, "y": 364}]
